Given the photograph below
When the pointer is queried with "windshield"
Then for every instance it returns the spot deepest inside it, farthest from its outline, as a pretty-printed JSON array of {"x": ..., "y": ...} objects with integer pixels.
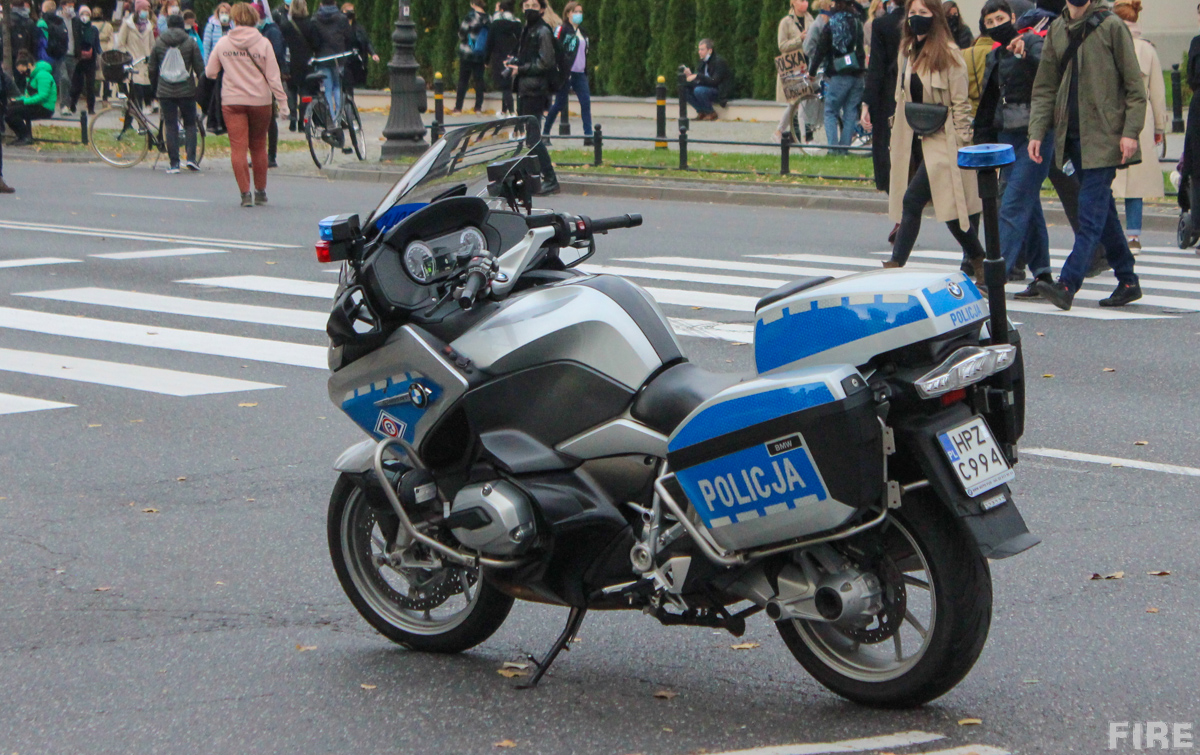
[{"x": 460, "y": 158}]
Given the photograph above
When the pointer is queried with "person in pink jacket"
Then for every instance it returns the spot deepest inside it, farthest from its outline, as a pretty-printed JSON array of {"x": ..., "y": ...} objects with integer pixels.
[{"x": 251, "y": 83}]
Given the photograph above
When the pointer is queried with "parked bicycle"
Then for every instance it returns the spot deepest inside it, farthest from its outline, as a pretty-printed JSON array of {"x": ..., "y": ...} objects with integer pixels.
[
  {"x": 121, "y": 135},
  {"x": 322, "y": 130}
]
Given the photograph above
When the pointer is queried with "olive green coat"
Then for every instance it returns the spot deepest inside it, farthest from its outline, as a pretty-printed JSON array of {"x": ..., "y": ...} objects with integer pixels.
[{"x": 1112, "y": 97}]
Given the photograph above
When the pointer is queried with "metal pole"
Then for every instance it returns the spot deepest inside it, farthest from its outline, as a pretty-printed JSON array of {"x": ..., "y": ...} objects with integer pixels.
[
  {"x": 564, "y": 125},
  {"x": 785, "y": 153},
  {"x": 598, "y": 146},
  {"x": 1177, "y": 126},
  {"x": 660, "y": 101},
  {"x": 405, "y": 133},
  {"x": 682, "y": 91},
  {"x": 995, "y": 275},
  {"x": 439, "y": 99},
  {"x": 683, "y": 144},
  {"x": 83, "y": 127}
]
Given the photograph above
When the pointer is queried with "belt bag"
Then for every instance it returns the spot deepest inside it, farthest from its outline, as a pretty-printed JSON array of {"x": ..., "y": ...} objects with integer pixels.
[
  {"x": 925, "y": 119},
  {"x": 1014, "y": 115}
]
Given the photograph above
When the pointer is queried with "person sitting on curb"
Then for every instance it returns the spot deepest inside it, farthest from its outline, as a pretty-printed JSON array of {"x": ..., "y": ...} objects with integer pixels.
[
  {"x": 41, "y": 93},
  {"x": 711, "y": 84},
  {"x": 1089, "y": 90}
]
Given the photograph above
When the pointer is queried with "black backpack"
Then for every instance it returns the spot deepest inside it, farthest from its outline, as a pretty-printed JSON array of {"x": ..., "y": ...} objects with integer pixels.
[
  {"x": 57, "y": 40},
  {"x": 562, "y": 63}
]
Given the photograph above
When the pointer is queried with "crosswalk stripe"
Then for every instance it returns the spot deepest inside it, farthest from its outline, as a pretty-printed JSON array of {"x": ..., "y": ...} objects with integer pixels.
[
  {"x": 32, "y": 261},
  {"x": 112, "y": 233},
  {"x": 175, "y": 305},
  {"x": 969, "y": 750},
  {"x": 1058, "y": 256},
  {"x": 152, "y": 253},
  {"x": 1085, "y": 313},
  {"x": 10, "y": 404},
  {"x": 686, "y": 277},
  {"x": 196, "y": 342},
  {"x": 703, "y": 299},
  {"x": 736, "y": 332},
  {"x": 741, "y": 265},
  {"x": 115, "y": 374},
  {"x": 830, "y": 259},
  {"x": 887, "y": 741},
  {"x": 269, "y": 285},
  {"x": 1055, "y": 453}
]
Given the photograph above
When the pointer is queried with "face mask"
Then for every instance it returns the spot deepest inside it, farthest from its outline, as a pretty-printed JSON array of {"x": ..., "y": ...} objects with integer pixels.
[
  {"x": 1004, "y": 33},
  {"x": 350, "y": 15},
  {"x": 577, "y": 19},
  {"x": 920, "y": 25},
  {"x": 85, "y": 18},
  {"x": 145, "y": 14},
  {"x": 532, "y": 15},
  {"x": 173, "y": 11},
  {"x": 224, "y": 18},
  {"x": 954, "y": 22},
  {"x": 1079, "y": 3}
]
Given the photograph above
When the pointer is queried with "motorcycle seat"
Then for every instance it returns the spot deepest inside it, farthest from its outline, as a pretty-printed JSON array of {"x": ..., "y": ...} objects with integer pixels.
[
  {"x": 790, "y": 288},
  {"x": 674, "y": 393}
]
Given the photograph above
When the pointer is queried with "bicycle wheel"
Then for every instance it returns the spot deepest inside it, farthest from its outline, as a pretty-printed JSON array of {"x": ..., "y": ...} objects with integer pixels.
[
  {"x": 357, "y": 138},
  {"x": 315, "y": 118},
  {"x": 118, "y": 138}
]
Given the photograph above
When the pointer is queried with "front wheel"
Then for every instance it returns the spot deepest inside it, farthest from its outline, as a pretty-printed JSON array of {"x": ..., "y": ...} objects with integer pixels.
[
  {"x": 357, "y": 138},
  {"x": 937, "y": 608},
  {"x": 432, "y": 607},
  {"x": 117, "y": 137}
]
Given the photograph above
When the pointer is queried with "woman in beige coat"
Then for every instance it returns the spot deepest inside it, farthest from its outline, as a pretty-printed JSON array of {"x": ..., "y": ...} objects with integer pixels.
[
  {"x": 1144, "y": 180},
  {"x": 791, "y": 34},
  {"x": 932, "y": 72},
  {"x": 136, "y": 37},
  {"x": 107, "y": 42}
]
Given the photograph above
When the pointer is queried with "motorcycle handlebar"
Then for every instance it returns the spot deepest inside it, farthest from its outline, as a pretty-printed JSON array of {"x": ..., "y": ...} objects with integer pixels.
[
  {"x": 541, "y": 221},
  {"x": 604, "y": 225},
  {"x": 476, "y": 280}
]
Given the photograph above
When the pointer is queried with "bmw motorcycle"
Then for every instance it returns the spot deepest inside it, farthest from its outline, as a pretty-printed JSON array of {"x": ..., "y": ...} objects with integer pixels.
[{"x": 537, "y": 433}]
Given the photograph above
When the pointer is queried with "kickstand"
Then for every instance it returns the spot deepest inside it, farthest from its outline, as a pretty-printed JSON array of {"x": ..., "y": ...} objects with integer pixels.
[{"x": 568, "y": 633}]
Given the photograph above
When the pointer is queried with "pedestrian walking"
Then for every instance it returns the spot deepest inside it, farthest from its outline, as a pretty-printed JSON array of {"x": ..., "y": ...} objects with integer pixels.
[
  {"x": 329, "y": 34},
  {"x": 218, "y": 26},
  {"x": 87, "y": 53},
  {"x": 1003, "y": 116},
  {"x": 295, "y": 36},
  {"x": 1144, "y": 180},
  {"x": 879, "y": 91},
  {"x": 268, "y": 28},
  {"x": 789, "y": 37},
  {"x": 535, "y": 62},
  {"x": 356, "y": 65},
  {"x": 472, "y": 55},
  {"x": 958, "y": 30},
  {"x": 1189, "y": 164},
  {"x": 575, "y": 44},
  {"x": 108, "y": 41},
  {"x": 711, "y": 82},
  {"x": 193, "y": 30},
  {"x": 504, "y": 34},
  {"x": 840, "y": 52},
  {"x": 66, "y": 11},
  {"x": 250, "y": 84},
  {"x": 23, "y": 31},
  {"x": 931, "y": 98},
  {"x": 41, "y": 93},
  {"x": 136, "y": 37},
  {"x": 1089, "y": 91},
  {"x": 54, "y": 42},
  {"x": 8, "y": 89},
  {"x": 176, "y": 66},
  {"x": 165, "y": 11}
]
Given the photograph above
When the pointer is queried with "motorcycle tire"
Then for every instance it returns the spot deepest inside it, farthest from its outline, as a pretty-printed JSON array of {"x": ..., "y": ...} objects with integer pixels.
[
  {"x": 351, "y": 515},
  {"x": 961, "y": 610}
]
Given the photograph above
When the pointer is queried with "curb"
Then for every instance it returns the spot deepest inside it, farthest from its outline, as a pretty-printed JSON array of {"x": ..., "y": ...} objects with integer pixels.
[{"x": 33, "y": 156}]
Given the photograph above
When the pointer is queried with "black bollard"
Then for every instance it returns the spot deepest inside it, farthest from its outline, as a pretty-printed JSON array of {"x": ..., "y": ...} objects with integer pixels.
[
  {"x": 683, "y": 157},
  {"x": 439, "y": 96},
  {"x": 564, "y": 125},
  {"x": 785, "y": 153},
  {"x": 683, "y": 92},
  {"x": 597, "y": 146},
  {"x": 1177, "y": 126},
  {"x": 660, "y": 102},
  {"x": 83, "y": 127}
]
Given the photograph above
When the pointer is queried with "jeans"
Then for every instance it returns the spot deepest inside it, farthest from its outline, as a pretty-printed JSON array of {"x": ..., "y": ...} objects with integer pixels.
[
  {"x": 83, "y": 82},
  {"x": 172, "y": 108},
  {"x": 1022, "y": 225},
  {"x": 1098, "y": 222},
  {"x": 843, "y": 96},
  {"x": 916, "y": 198},
  {"x": 20, "y": 118},
  {"x": 468, "y": 70},
  {"x": 1133, "y": 216},
  {"x": 579, "y": 84},
  {"x": 332, "y": 73},
  {"x": 62, "y": 79},
  {"x": 702, "y": 98},
  {"x": 248, "y": 125}
]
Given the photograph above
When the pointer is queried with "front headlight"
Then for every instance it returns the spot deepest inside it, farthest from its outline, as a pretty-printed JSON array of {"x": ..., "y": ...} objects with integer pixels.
[{"x": 964, "y": 367}]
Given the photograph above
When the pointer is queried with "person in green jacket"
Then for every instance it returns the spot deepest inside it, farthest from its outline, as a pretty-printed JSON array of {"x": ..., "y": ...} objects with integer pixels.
[
  {"x": 1089, "y": 90},
  {"x": 41, "y": 93}
]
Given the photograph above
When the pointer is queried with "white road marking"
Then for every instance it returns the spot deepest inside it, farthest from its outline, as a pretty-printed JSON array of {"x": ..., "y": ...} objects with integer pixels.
[
  {"x": 740, "y": 265},
  {"x": 132, "y": 376},
  {"x": 969, "y": 750},
  {"x": 1112, "y": 461},
  {"x": 887, "y": 741},
  {"x": 1060, "y": 255},
  {"x": 32, "y": 261},
  {"x": 1082, "y": 312},
  {"x": 736, "y": 332},
  {"x": 175, "y": 305},
  {"x": 184, "y": 252},
  {"x": 706, "y": 299},
  {"x": 196, "y": 342},
  {"x": 147, "y": 196},
  {"x": 10, "y": 404},
  {"x": 269, "y": 285},
  {"x": 833, "y": 259},
  {"x": 684, "y": 276},
  {"x": 116, "y": 233}
]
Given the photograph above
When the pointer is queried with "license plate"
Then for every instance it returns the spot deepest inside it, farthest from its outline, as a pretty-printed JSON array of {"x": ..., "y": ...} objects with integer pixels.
[{"x": 975, "y": 457}]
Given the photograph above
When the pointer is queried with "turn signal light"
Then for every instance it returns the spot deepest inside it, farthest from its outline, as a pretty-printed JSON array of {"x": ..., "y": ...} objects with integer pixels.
[{"x": 323, "y": 252}]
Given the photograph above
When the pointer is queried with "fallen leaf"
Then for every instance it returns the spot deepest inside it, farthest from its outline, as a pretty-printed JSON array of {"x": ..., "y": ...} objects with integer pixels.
[
  {"x": 1115, "y": 575},
  {"x": 219, "y": 582},
  {"x": 744, "y": 646},
  {"x": 367, "y": 686},
  {"x": 1029, "y": 681},
  {"x": 1110, "y": 369},
  {"x": 970, "y": 721},
  {"x": 1115, "y": 464},
  {"x": 102, "y": 589},
  {"x": 149, "y": 511},
  {"x": 180, "y": 479},
  {"x": 1151, "y": 609},
  {"x": 1048, "y": 375},
  {"x": 302, "y": 648},
  {"x": 1141, "y": 443},
  {"x": 93, "y": 425},
  {"x": 668, "y": 728},
  {"x": 1159, "y": 573},
  {"x": 511, "y": 673},
  {"x": 60, "y": 571},
  {"x": 1041, "y": 334},
  {"x": 697, "y": 307},
  {"x": 255, "y": 403},
  {"x": 738, "y": 343},
  {"x": 666, "y": 694},
  {"x": 515, "y": 664},
  {"x": 134, "y": 421},
  {"x": 504, "y": 743},
  {"x": 250, "y": 500},
  {"x": 270, "y": 263}
]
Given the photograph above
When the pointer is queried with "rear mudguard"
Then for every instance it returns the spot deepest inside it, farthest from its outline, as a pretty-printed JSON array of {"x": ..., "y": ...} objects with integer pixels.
[{"x": 991, "y": 517}]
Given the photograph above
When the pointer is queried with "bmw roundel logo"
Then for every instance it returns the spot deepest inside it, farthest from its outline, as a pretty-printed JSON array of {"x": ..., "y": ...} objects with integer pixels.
[
  {"x": 955, "y": 290},
  {"x": 418, "y": 395}
]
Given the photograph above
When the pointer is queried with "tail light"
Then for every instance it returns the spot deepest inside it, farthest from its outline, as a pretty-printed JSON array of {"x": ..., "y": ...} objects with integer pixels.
[
  {"x": 953, "y": 397},
  {"x": 323, "y": 252}
]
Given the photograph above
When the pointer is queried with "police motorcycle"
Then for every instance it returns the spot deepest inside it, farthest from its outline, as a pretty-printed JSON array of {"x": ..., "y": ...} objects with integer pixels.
[{"x": 536, "y": 433}]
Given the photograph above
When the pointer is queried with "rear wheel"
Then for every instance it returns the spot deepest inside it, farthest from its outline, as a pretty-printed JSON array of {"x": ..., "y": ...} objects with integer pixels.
[
  {"x": 118, "y": 138},
  {"x": 357, "y": 139},
  {"x": 438, "y": 609},
  {"x": 316, "y": 121},
  {"x": 937, "y": 608}
]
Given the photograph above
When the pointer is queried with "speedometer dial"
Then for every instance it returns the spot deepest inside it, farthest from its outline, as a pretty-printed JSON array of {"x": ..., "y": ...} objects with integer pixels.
[
  {"x": 419, "y": 262},
  {"x": 471, "y": 242}
]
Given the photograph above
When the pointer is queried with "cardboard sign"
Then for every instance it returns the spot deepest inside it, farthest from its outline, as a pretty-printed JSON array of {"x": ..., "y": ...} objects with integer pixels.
[{"x": 792, "y": 68}]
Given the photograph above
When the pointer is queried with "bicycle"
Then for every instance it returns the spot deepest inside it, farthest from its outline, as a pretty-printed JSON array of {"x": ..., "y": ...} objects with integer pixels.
[
  {"x": 320, "y": 129},
  {"x": 121, "y": 135}
]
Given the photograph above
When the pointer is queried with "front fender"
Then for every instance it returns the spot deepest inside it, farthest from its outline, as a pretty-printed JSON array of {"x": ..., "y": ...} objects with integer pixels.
[{"x": 357, "y": 459}]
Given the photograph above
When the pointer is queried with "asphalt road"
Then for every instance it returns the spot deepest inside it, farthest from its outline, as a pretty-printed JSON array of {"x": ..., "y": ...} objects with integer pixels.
[{"x": 178, "y": 629}]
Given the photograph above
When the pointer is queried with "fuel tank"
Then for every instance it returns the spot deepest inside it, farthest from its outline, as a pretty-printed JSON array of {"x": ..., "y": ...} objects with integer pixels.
[{"x": 853, "y": 319}]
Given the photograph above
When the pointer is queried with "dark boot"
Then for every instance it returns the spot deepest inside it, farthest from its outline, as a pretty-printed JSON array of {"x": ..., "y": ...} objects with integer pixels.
[{"x": 5, "y": 188}]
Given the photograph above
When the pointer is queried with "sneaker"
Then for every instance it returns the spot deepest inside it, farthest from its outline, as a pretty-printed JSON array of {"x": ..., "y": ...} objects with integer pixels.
[
  {"x": 1135, "y": 244},
  {"x": 260, "y": 196},
  {"x": 588, "y": 142},
  {"x": 1099, "y": 263},
  {"x": 1057, "y": 294},
  {"x": 273, "y": 164},
  {"x": 1017, "y": 275},
  {"x": 247, "y": 199},
  {"x": 172, "y": 170},
  {"x": 25, "y": 142},
  {"x": 193, "y": 167},
  {"x": 1031, "y": 291},
  {"x": 66, "y": 111},
  {"x": 345, "y": 151},
  {"x": 1125, "y": 293},
  {"x": 890, "y": 264}
]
